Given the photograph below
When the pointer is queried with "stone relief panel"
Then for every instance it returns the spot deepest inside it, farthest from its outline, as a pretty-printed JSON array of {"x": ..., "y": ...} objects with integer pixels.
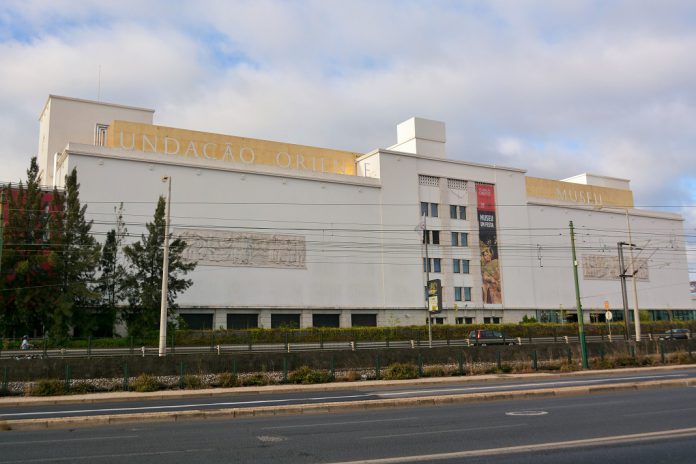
[
  {"x": 243, "y": 249},
  {"x": 607, "y": 267}
]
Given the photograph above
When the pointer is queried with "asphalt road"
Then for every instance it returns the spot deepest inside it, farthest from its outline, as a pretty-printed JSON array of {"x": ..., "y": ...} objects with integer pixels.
[
  {"x": 355, "y": 392},
  {"x": 655, "y": 426}
]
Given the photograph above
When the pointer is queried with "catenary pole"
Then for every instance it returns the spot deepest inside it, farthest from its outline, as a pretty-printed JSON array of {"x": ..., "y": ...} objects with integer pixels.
[
  {"x": 624, "y": 297},
  {"x": 578, "y": 304},
  {"x": 636, "y": 312},
  {"x": 165, "y": 273},
  {"x": 2, "y": 223}
]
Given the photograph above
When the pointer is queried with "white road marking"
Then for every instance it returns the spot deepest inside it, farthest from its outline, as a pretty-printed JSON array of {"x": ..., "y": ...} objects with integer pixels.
[
  {"x": 438, "y": 432},
  {"x": 270, "y": 439},
  {"x": 38, "y": 442},
  {"x": 527, "y": 385},
  {"x": 181, "y": 406},
  {"x": 526, "y": 413},
  {"x": 601, "y": 441},
  {"x": 326, "y": 424}
]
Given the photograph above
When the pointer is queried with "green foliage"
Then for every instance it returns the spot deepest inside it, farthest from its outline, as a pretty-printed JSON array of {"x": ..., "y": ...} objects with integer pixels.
[
  {"x": 226, "y": 380},
  {"x": 434, "y": 371},
  {"x": 192, "y": 382},
  {"x": 143, "y": 282},
  {"x": 82, "y": 387},
  {"x": 528, "y": 320},
  {"x": 48, "y": 387},
  {"x": 146, "y": 383},
  {"x": 257, "y": 379},
  {"x": 307, "y": 375},
  {"x": 399, "y": 371}
]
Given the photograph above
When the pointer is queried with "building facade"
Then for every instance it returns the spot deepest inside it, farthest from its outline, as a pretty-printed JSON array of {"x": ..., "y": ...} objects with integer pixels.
[{"x": 285, "y": 234}]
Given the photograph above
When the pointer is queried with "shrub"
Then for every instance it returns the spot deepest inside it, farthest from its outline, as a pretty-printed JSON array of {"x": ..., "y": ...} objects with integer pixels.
[
  {"x": 307, "y": 375},
  {"x": 83, "y": 387},
  {"x": 257, "y": 379},
  {"x": 226, "y": 380},
  {"x": 434, "y": 371},
  {"x": 191, "y": 382},
  {"x": 48, "y": 387},
  {"x": 146, "y": 383},
  {"x": 398, "y": 371}
]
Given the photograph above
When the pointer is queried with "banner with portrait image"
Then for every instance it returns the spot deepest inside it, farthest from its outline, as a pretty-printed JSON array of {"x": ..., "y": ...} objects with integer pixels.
[{"x": 488, "y": 244}]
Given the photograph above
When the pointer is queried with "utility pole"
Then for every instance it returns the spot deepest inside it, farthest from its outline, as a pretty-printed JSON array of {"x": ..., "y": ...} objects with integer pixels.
[
  {"x": 2, "y": 223},
  {"x": 578, "y": 304},
  {"x": 636, "y": 314},
  {"x": 427, "y": 280},
  {"x": 622, "y": 276},
  {"x": 165, "y": 273}
]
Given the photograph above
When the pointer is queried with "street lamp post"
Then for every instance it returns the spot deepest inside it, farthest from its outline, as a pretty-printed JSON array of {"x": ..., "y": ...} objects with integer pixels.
[{"x": 165, "y": 273}]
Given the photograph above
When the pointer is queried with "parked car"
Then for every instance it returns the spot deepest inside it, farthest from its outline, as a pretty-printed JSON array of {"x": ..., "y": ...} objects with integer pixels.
[
  {"x": 483, "y": 337},
  {"x": 675, "y": 334}
]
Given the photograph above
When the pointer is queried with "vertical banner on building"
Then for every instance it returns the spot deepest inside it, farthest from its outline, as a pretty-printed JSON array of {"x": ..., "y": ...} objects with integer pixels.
[{"x": 488, "y": 244}]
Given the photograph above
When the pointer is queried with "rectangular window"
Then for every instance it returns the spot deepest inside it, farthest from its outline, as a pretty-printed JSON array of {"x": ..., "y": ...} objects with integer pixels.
[
  {"x": 432, "y": 265},
  {"x": 429, "y": 209},
  {"x": 242, "y": 321},
  {"x": 467, "y": 293},
  {"x": 431, "y": 237},
  {"x": 460, "y": 266},
  {"x": 100, "y": 133},
  {"x": 325, "y": 320},
  {"x": 460, "y": 239},
  {"x": 457, "y": 212},
  {"x": 363, "y": 320},
  {"x": 457, "y": 293}
]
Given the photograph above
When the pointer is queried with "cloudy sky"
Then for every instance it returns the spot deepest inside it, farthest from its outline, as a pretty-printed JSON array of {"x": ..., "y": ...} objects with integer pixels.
[{"x": 557, "y": 88}]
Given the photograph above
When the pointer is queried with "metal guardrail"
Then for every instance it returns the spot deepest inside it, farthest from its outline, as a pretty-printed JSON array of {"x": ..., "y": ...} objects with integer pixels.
[{"x": 221, "y": 349}]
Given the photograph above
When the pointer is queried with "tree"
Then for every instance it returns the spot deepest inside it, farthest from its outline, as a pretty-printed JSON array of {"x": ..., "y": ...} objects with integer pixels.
[
  {"x": 28, "y": 278},
  {"x": 76, "y": 260},
  {"x": 143, "y": 284},
  {"x": 111, "y": 272}
]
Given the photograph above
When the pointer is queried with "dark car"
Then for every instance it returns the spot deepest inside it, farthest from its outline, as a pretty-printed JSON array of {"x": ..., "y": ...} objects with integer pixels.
[
  {"x": 485, "y": 337},
  {"x": 675, "y": 334}
]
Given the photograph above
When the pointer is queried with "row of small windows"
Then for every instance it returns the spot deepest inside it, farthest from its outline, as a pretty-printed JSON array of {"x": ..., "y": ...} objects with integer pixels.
[
  {"x": 433, "y": 210},
  {"x": 460, "y": 293},
  {"x": 432, "y": 237},
  {"x": 459, "y": 266},
  {"x": 241, "y": 321}
]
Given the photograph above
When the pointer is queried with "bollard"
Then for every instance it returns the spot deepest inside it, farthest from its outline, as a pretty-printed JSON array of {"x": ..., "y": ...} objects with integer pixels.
[
  {"x": 218, "y": 350},
  {"x": 285, "y": 370},
  {"x": 461, "y": 362},
  {"x": 62, "y": 353},
  {"x": 498, "y": 360},
  {"x": 143, "y": 350},
  {"x": 67, "y": 377},
  {"x": 535, "y": 361},
  {"x": 650, "y": 336},
  {"x": 566, "y": 339},
  {"x": 352, "y": 346},
  {"x": 519, "y": 340},
  {"x": 610, "y": 338},
  {"x": 125, "y": 377},
  {"x": 413, "y": 344},
  {"x": 89, "y": 346},
  {"x": 420, "y": 365},
  {"x": 378, "y": 373}
]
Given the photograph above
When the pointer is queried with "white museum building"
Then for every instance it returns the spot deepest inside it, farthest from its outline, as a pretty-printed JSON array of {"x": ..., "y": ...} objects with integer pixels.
[{"x": 287, "y": 234}]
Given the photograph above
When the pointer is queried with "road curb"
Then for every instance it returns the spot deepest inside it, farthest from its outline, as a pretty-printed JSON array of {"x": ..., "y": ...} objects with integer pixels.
[
  {"x": 265, "y": 411},
  {"x": 325, "y": 387}
]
